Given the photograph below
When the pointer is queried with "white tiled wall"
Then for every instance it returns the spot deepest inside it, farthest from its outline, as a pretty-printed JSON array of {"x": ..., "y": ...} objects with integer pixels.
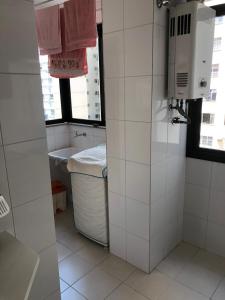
[
  {"x": 63, "y": 136},
  {"x": 204, "y": 210},
  {"x": 24, "y": 171},
  {"x": 94, "y": 137},
  {"x": 167, "y": 156},
  {"x": 128, "y": 115},
  {"x": 146, "y": 155}
]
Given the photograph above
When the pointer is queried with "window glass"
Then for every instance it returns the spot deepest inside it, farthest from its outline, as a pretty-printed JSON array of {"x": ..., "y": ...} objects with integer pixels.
[
  {"x": 213, "y": 108},
  {"x": 50, "y": 91},
  {"x": 85, "y": 90}
]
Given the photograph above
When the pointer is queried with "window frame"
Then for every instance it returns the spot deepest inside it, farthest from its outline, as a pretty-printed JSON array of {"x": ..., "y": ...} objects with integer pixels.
[
  {"x": 65, "y": 94},
  {"x": 193, "y": 149}
]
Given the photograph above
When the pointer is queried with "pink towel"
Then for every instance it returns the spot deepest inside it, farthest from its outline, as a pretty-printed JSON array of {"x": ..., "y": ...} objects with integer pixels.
[
  {"x": 49, "y": 30},
  {"x": 80, "y": 23},
  {"x": 67, "y": 64}
]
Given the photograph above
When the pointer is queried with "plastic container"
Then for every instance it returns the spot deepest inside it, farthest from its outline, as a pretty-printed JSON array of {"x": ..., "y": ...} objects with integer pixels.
[{"x": 58, "y": 196}]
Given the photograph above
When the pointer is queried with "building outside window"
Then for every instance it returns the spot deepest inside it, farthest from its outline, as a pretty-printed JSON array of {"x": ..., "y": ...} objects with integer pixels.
[
  {"x": 206, "y": 141},
  {"x": 215, "y": 70},
  {"x": 212, "y": 95},
  {"x": 85, "y": 90},
  {"x": 217, "y": 44},
  {"x": 50, "y": 91},
  {"x": 208, "y": 118},
  {"x": 213, "y": 109}
]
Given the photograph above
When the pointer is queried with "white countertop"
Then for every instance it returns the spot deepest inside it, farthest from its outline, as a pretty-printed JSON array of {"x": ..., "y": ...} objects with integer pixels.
[{"x": 18, "y": 266}]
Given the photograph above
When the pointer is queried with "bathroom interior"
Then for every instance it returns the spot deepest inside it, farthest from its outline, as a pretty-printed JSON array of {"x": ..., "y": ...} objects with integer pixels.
[{"x": 112, "y": 150}]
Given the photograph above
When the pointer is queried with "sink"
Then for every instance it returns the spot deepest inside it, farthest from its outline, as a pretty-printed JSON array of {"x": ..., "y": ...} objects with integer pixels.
[{"x": 63, "y": 154}]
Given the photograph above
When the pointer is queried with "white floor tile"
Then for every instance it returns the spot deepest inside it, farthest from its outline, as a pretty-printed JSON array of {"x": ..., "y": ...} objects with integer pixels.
[
  {"x": 71, "y": 294},
  {"x": 71, "y": 240},
  {"x": 203, "y": 274},
  {"x": 73, "y": 268},
  {"x": 151, "y": 285},
  {"x": 93, "y": 253},
  {"x": 177, "y": 291},
  {"x": 63, "y": 285},
  {"x": 177, "y": 260},
  {"x": 220, "y": 292},
  {"x": 96, "y": 285},
  {"x": 117, "y": 267},
  {"x": 62, "y": 251},
  {"x": 125, "y": 293}
]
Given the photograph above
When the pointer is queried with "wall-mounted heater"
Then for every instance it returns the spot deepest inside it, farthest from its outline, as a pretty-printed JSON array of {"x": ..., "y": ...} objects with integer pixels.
[{"x": 191, "y": 35}]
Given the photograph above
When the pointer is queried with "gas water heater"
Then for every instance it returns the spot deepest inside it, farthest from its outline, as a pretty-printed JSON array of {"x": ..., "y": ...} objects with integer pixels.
[{"x": 191, "y": 36}]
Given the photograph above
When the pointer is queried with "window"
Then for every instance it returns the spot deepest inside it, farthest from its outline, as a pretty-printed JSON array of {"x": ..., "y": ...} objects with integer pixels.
[
  {"x": 51, "y": 93},
  {"x": 78, "y": 100},
  {"x": 215, "y": 70},
  {"x": 205, "y": 141},
  {"x": 85, "y": 91},
  {"x": 212, "y": 95},
  {"x": 208, "y": 118},
  {"x": 217, "y": 44}
]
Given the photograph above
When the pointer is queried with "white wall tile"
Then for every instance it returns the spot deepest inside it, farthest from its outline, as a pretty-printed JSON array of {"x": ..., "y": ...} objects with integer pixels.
[
  {"x": 21, "y": 112},
  {"x": 138, "y": 142},
  {"x": 215, "y": 239},
  {"x": 138, "y": 51},
  {"x": 137, "y": 218},
  {"x": 217, "y": 207},
  {"x": 112, "y": 15},
  {"x": 114, "y": 98},
  {"x": 157, "y": 249},
  {"x": 20, "y": 52},
  {"x": 138, "y": 181},
  {"x": 138, "y": 98},
  {"x": 50, "y": 139},
  {"x": 117, "y": 208},
  {"x": 158, "y": 142},
  {"x": 158, "y": 181},
  {"x": 115, "y": 138},
  {"x": 197, "y": 200},
  {"x": 198, "y": 172},
  {"x": 47, "y": 278},
  {"x": 114, "y": 54},
  {"x": 138, "y": 12},
  {"x": 159, "y": 216},
  {"x": 117, "y": 241},
  {"x": 195, "y": 230},
  {"x": 116, "y": 175},
  {"x": 28, "y": 170},
  {"x": 34, "y": 223},
  {"x": 159, "y": 101},
  {"x": 218, "y": 175},
  {"x": 176, "y": 141},
  {"x": 137, "y": 252},
  {"x": 159, "y": 50}
]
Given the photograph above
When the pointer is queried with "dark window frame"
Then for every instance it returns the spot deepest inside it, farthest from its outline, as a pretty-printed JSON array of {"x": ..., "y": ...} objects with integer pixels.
[
  {"x": 193, "y": 149},
  {"x": 65, "y": 95}
]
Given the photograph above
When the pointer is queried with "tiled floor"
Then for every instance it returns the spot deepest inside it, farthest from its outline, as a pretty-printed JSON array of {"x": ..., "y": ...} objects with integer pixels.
[{"x": 88, "y": 271}]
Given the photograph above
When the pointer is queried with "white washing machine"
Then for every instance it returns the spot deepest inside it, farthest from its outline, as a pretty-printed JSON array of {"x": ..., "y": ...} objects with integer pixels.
[{"x": 89, "y": 188}]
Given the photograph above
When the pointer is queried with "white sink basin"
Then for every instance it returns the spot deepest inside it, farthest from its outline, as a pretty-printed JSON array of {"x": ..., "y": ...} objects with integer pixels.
[{"x": 63, "y": 154}]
